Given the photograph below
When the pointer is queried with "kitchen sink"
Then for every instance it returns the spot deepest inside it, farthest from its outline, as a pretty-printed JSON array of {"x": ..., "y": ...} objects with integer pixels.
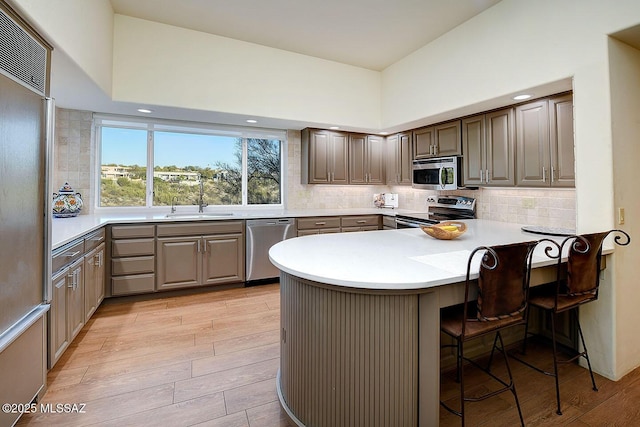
[{"x": 199, "y": 215}]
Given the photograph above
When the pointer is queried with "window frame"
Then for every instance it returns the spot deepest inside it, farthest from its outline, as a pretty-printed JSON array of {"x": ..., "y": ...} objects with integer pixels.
[{"x": 179, "y": 126}]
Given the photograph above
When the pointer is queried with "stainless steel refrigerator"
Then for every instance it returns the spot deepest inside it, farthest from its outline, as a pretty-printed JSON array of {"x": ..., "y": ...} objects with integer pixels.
[{"x": 25, "y": 132}]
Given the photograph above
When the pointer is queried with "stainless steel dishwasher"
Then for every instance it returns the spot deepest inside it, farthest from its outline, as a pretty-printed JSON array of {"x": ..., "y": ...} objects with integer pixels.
[{"x": 261, "y": 235}]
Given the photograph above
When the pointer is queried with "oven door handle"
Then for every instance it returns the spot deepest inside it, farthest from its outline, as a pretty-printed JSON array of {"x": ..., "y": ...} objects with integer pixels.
[{"x": 408, "y": 224}]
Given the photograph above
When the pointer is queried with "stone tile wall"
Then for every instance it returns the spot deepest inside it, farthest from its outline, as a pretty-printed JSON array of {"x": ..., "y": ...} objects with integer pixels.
[
  {"x": 74, "y": 162},
  {"x": 74, "y": 154}
]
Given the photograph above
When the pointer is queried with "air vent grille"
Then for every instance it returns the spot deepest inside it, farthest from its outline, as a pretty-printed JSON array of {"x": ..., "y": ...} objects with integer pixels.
[{"x": 21, "y": 56}]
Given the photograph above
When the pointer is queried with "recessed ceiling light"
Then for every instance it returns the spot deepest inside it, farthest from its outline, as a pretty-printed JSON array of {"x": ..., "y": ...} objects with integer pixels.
[
  {"x": 144, "y": 110},
  {"x": 521, "y": 97},
  {"x": 252, "y": 121},
  {"x": 334, "y": 127}
]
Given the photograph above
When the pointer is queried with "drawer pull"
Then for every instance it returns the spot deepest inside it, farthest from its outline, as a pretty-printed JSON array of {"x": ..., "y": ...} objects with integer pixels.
[
  {"x": 361, "y": 221},
  {"x": 321, "y": 223},
  {"x": 71, "y": 255}
]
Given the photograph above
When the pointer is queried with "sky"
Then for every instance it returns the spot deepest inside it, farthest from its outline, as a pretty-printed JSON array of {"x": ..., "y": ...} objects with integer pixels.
[{"x": 129, "y": 147}]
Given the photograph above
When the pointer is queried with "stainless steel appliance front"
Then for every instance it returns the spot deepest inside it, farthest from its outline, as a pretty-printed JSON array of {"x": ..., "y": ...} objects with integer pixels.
[
  {"x": 442, "y": 173},
  {"x": 261, "y": 235}
]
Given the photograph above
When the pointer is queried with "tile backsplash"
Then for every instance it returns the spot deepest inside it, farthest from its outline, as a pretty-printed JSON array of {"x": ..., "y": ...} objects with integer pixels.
[{"x": 75, "y": 154}]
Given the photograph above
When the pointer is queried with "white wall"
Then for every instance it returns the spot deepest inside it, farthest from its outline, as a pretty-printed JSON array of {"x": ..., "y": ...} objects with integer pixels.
[
  {"x": 165, "y": 65},
  {"x": 84, "y": 30},
  {"x": 625, "y": 111}
]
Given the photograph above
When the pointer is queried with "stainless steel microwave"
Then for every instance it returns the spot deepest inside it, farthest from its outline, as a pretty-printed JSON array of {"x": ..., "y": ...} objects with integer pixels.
[{"x": 441, "y": 173}]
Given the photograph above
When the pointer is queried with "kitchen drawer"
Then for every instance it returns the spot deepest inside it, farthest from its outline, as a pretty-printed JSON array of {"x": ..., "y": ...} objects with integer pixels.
[
  {"x": 318, "y": 231},
  {"x": 67, "y": 254},
  {"x": 135, "y": 284},
  {"x": 365, "y": 228},
  {"x": 135, "y": 265},
  {"x": 360, "y": 221},
  {"x": 132, "y": 247},
  {"x": 201, "y": 228},
  {"x": 132, "y": 231},
  {"x": 91, "y": 241},
  {"x": 318, "y": 222}
]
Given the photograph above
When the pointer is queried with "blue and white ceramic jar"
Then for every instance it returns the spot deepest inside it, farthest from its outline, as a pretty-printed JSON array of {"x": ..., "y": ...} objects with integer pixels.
[{"x": 66, "y": 202}]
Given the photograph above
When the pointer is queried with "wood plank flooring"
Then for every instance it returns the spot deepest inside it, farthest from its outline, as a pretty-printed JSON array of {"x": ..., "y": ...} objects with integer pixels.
[{"x": 210, "y": 359}]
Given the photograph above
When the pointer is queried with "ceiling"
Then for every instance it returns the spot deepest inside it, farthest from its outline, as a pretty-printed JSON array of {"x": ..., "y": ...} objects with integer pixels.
[
  {"x": 371, "y": 34},
  {"x": 367, "y": 33}
]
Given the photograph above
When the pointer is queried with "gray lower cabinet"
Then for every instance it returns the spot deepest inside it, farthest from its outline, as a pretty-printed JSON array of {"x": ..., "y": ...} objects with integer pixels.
[
  {"x": 132, "y": 259},
  {"x": 67, "y": 311},
  {"x": 318, "y": 225},
  {"x": 94, "y": 272},
  {"x": 360, "y": 223},
  {"x": 199, "y": 254}
]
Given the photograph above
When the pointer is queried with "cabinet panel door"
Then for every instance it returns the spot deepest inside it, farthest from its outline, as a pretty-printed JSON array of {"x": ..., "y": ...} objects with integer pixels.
[
  {"x": 561, "y": 141},
  {"x": 100, "y": 274},
  {"x": 423, "y": 140},
  {"x": 357, "y": 159},
  {"x": 447, "y": 139},
  {"x": 406, "y": 157},
  {"x": 375, "y": 160},
  {"x": 500, "y": 148},
  {"x": 58, "y": 330},
  {"x": 90, "y": 276},
  {"x": 532, "y": 143},
  {"x": 75, "y": 294},
  {"x": 393, "y": 159},
  {"x": 473, "y": 144},
  {"x": 339, "y": 158},
  {"x": 223, "y": 259},
  {"x": 319, "y": 148},
  {"x": 179, "y": 262}
]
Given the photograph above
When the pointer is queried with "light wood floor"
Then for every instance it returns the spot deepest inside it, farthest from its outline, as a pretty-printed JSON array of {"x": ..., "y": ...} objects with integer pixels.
[{"x": 210, "y": 359}]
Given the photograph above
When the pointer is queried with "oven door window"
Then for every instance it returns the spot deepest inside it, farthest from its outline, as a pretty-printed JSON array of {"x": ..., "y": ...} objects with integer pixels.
[{"x": 429, "y": 176}]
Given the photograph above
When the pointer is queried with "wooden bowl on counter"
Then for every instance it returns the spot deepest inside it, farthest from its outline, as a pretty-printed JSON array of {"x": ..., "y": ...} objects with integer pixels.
[{"x": 446, "y": 230}]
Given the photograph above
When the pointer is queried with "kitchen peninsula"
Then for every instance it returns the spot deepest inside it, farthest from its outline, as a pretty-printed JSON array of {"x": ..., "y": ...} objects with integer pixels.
[{"x": 360, "y": 320}]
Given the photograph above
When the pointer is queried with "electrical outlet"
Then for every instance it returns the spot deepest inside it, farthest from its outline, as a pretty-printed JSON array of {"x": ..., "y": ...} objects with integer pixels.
[{"x": 620, "y": 216}]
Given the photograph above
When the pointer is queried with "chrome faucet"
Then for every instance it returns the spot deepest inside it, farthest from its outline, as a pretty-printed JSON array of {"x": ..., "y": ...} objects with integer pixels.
[
  {"x": 201, "y": 203},
  {"x": 174, "y": 202}
]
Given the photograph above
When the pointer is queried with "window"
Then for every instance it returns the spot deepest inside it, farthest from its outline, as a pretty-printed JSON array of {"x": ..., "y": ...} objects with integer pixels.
[{"x": 161, "y": 163}]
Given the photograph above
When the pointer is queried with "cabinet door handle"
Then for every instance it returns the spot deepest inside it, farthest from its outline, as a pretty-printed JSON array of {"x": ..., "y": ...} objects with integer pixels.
[
  {"x": 204, "y": 246},
  {"x": 198, "y": 245},
  {"x": 70, "y": 276},
  {"x": 481, "y": 176},
  {"x": 486, "y": 172},
  {"x": 553, "y": 173},
  {"x": 435, "y": 150},
  {"x": 544, "y": 174}
]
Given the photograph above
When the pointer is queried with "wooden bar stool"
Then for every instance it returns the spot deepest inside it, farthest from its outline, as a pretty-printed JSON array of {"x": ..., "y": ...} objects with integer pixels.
[
  {"x": 503, "y": 284},
  {"x": 580, "y": 287}
]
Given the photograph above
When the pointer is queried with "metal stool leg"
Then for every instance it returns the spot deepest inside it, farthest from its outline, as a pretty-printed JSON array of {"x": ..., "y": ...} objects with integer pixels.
[
  {"x": 584, "y": 352},
  {"x": 511, "y": 383},
  {"x": 555, "y": 360}
]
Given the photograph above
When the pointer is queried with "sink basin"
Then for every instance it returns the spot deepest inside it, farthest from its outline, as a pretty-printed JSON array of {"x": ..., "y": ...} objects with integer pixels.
[{"x": 199, "y": 215}]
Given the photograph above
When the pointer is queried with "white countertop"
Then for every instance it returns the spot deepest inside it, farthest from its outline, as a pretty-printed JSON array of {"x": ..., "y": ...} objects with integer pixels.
[
  {"x": 65, "y": 230},
  {"x": 394, "y": 259}
]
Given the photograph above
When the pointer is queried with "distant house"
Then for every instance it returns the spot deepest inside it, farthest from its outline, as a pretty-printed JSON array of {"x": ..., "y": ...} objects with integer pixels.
[{"x": 115, "y": 172}]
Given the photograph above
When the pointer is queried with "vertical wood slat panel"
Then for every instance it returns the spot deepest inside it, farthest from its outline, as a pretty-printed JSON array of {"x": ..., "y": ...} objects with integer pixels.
[{"x": 348, "y": 359}]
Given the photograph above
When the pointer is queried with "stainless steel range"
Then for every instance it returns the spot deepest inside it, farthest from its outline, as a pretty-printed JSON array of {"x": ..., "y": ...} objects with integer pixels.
[{"x": 440, "y": 208}]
